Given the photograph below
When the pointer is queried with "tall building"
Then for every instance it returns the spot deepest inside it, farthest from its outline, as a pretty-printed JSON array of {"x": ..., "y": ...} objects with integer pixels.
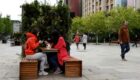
[
  {"x": 134, "y": 3},
  {"x": 120, "y": 3},
  {"x": 74, "y": 6},
  {"x": 92, "y": 6},
  {"x": 16, "y": 26}
]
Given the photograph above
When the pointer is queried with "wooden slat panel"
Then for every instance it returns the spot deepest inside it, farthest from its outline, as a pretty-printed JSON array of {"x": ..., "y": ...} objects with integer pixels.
[
  {"x": 73, "y": 67},
  {"x": 28, "y": 69}
]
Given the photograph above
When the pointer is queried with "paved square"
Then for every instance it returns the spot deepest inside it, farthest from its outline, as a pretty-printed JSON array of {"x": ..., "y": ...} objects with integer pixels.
[{"x": 100, "y": 62}]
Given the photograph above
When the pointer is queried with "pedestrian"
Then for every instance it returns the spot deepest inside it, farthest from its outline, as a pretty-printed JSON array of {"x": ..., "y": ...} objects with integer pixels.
[
  {"x": 135, "y": 40},
  {"x": 77, "y": 40},
  {"x": 84, "y": 40},
  {"x": 124, "y": 39},
  {"x": 31, "y": 45}
]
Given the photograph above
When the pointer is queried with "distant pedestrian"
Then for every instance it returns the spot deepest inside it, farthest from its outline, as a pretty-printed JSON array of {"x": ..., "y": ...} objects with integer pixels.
[
  {"x": 135, "y": 40},
  {"x": 77, "y": 40},
  {"x": 124, "y": 39},
  {"x": 84, "y": 40}
]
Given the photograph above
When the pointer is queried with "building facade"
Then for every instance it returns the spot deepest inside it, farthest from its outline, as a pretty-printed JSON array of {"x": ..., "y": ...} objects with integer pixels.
[
  {"x": 134, "y": 3},
  {"x": 74, "y": 6},
  {"x": 92, "y": 6},
  {"x": 119, "y": 3},
  {"x": 16, "y": 26}
]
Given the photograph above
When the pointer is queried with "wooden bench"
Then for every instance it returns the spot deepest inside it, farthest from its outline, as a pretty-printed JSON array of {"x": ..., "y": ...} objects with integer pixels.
[
  {"x": 28, "y": 69},
  {"x": 72, "y": 67}
]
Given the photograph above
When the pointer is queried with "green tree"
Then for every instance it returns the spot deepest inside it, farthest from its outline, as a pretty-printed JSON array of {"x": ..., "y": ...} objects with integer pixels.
[
  {"x": 76, "y": 24},
  {"x": 97, "y": 24},
  {"x": 5, "y": 26},
  {"x": 30, "y": 14},
  {"x": 46, "y": 17},
  {"x": 118, "y": 15}
]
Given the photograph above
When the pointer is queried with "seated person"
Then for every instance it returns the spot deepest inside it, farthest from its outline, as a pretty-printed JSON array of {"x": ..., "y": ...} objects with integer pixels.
[
  {"x": 31, "y": 45},
  {"x": 59, "y": 43},
  {"x": 52, "y": 58}
]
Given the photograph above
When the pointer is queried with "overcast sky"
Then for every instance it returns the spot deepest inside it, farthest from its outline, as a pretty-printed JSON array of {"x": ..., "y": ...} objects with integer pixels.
[{"x": 12, "y": 7}]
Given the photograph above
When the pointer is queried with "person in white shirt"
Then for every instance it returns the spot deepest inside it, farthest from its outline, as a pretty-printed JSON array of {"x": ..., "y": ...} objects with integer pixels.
[{"x": 84, "y": 40}]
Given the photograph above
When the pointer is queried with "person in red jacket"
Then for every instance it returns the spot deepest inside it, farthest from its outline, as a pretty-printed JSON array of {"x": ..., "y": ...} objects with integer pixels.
[
  {"x": 59, "y": 43},
  {"x": 31, "y": 45},
  {"x": 77, "y": 40}
]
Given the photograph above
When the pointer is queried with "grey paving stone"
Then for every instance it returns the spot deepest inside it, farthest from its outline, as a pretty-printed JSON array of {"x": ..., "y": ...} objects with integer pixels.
[{"x": 100, "y": 62}]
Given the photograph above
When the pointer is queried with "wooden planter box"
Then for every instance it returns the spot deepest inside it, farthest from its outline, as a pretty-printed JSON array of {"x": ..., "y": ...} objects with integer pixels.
[
  {"x": 73, "y": 67},
  {"x": 28, "y": 69}
]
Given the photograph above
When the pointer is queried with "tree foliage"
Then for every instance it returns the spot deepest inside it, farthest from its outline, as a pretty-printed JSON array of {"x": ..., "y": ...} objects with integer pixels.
[
  {"x": 103, "y": 23},
  {"x": 5, "y": 26},
  {"x": 46, "y": 17}
]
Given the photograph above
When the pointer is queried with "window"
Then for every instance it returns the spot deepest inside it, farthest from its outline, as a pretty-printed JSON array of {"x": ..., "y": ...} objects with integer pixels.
[
  {"x": 111, "y": 1},
  {"x": 107, "y": 8},
  {"x": 100, "y": 8},
  {"x": 100, "y": 3},
  {"x": 124, "y": 3},
  {"x": 96, "y": 3},
  {"x": 107, "y": 1},
  {"x": 111, "y": 6},
  {"x": 92, "y": 6}
]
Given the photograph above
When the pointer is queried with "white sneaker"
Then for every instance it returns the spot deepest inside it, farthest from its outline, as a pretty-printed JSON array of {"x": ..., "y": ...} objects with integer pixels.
[{"x": 43, "y": 73}]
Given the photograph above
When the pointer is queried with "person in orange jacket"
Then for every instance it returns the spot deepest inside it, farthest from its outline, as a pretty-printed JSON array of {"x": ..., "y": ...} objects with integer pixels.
[{"x": 31, "y": 45}]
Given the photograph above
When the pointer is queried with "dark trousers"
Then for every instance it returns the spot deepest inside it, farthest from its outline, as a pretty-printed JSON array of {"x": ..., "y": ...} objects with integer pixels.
[
  {"x": 124, "y": 49},
  {"x": 135, "y": 44},
  {"x": 84, "y": 44},
  {"x": 77, "y": 44},
  {"x": 52, "y": 60}
]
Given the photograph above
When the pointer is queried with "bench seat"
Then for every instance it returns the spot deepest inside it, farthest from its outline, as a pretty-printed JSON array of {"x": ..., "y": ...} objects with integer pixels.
[
  {"x": 73, "y": 67},
  {"x": 28, "y": 69}
]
